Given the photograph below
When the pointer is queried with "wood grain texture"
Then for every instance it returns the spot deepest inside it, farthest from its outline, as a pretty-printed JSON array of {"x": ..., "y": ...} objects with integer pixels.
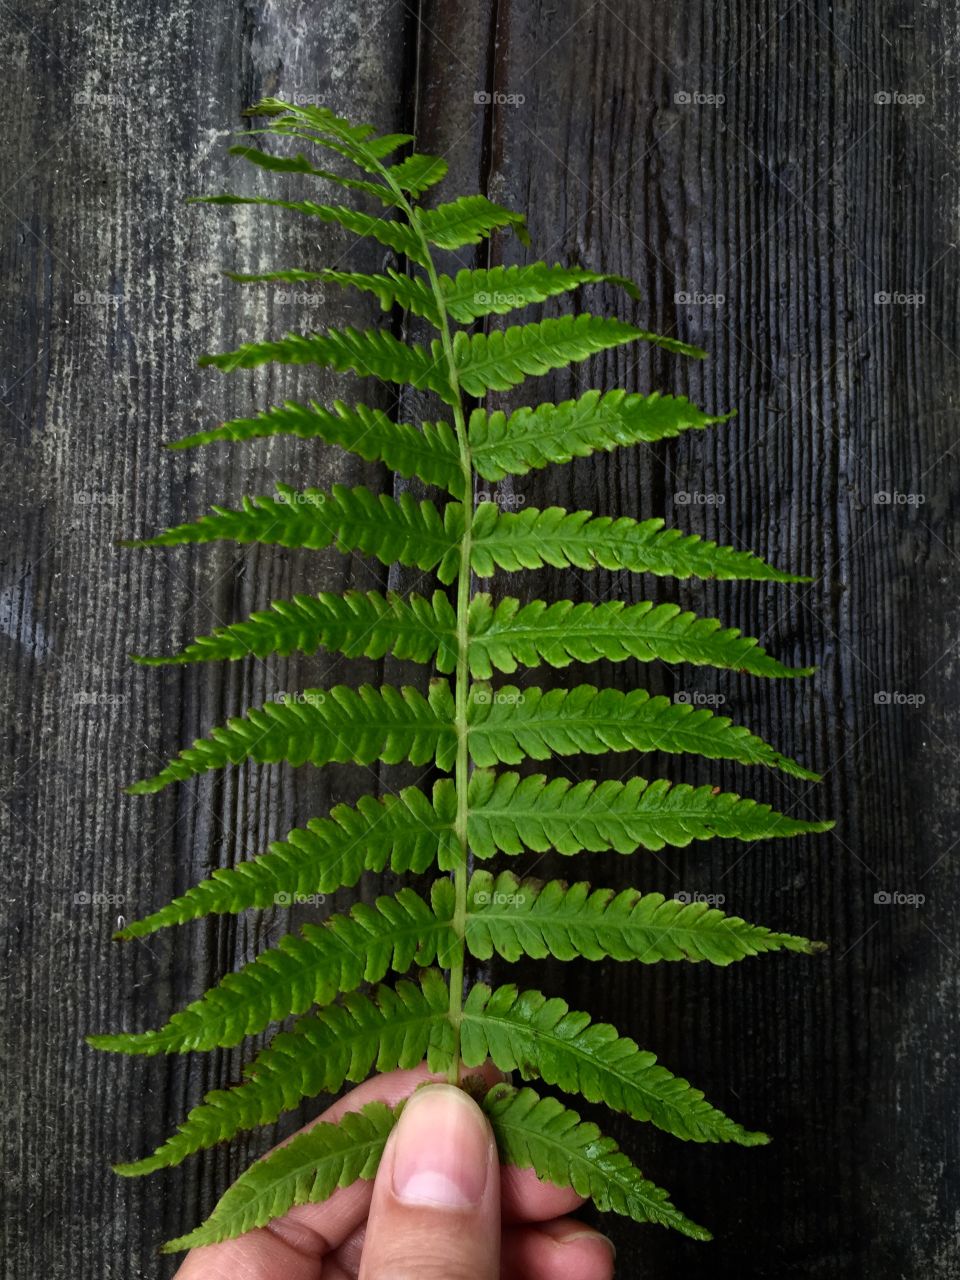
[{"x": 799, "y": 198}]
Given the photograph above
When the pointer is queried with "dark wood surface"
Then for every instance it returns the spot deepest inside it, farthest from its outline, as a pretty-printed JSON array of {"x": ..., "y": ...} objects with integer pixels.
[{"x": 799, "y": 198}]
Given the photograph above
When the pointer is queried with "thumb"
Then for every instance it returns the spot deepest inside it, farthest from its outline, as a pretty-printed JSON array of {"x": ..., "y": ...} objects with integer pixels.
[{"x": 435, "y": 1211}]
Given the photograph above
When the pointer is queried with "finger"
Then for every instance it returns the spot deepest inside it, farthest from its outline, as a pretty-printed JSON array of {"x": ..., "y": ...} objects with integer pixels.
[
  {"x": 435, "y": 1210},
  {"x": 527, "y": 1199},
  {"x": 564, "y": 1249},
  {"x": 291, "y": 1247}
]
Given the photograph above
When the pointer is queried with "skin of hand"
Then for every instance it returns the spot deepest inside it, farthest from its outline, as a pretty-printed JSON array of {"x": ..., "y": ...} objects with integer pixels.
[{"x": 441, "y": 1208}]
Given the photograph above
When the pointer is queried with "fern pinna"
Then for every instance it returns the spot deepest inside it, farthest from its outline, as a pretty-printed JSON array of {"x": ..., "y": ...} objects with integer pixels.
[{"x": 462, "y": 725}]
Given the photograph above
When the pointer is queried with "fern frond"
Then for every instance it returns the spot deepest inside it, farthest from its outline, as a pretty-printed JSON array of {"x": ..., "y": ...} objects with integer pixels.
[
  {"x": 357, "y": 624},
  {"x": 497, "y": 290},
  {"x": 407, "y": 832},
  {"x": 303, "y": 969},
  {"x": 392, "y": 289},
  {"x": 305, "y": 1170},
  {"x": 543, "y": 1135},
  {"x": 430, "y": 453},
  {"x": 510, "y": 814},
  {"x": 372, "y": 353},
  {"x": 418, "y": 173},
  {"x": 351, "y": 519},
  {"x": 321, "y": 726},
  {"x": 393, "y": 1029},
  {"x": 510, "y": 635},
  {"x": 533, "y": 438},
  {"x": 360, "y": 142},
  {"x": 517, "y": 918},
  {"x": 532, "y": 538},
  {"x": 468, "y": 220},
  {"x": 509, "y": 725},
  {"x": 538, "y": 1037},
  {"x": 398, "y": 236},
  {"x": 462, "y": 726},
  {"x": 300, "y": 164},
  {"x": 505, "y": 357}
]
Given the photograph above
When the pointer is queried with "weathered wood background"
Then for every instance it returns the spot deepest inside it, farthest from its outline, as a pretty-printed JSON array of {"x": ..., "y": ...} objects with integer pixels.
[{"x": 799, "y": 197}]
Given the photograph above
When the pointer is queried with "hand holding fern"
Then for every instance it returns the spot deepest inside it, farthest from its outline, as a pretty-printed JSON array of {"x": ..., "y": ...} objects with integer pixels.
[{"x": 440, "y": 1206}]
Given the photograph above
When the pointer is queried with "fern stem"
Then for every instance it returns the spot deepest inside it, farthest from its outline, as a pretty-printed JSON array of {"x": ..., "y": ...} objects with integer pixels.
[{"x": 462, "y": 676}]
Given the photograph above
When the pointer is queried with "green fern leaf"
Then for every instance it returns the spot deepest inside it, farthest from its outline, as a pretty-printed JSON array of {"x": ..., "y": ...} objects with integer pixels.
[
  {"x": 463, "y": 726},
  {"x": 418, "y": 173},
  {"x": 543, "y": 1135},
  {"x": 517, "y": 918},
  {"x": 432, "y": 453},
  {"x": 538, "y": 1037},
  {"x": 511, "y": 724},
  {"x": 407, "y": 832},
  {"x": 532, "y": 538},
  {"x": 509, "y": 814},
  {"x": 304, "y": 969},
  {"x": 357, "y": 624},
  {"x": 358, "y": 142},
  {"x": 398, "y": 236},
  {"x": 532, "y": 438},
  {"x": 392, "y": 289},
  {"x": 497, "y": 290},
  {"x": 323, "y": 726},
  {"x": 468, "y": 220},
  {"x": 300, "y": 164},
  {"x": 502, "y": 359},
  {"x": 372, "y": 353},
  {"x": 394, "y": 1029},
  {"x": 306, "y": 1170},
  {"x": 509, "y": 635},
  {"x": 351, "y": 519}
]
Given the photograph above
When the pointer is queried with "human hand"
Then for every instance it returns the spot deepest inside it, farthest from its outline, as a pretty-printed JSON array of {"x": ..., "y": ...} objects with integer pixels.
[{"x": 441, "y": 1208}]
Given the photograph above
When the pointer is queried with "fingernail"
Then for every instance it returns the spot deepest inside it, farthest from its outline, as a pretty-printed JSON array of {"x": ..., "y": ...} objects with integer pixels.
[
  {"x": 589, "y": 1235},
  {"x": 441, "y": 1150}
]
